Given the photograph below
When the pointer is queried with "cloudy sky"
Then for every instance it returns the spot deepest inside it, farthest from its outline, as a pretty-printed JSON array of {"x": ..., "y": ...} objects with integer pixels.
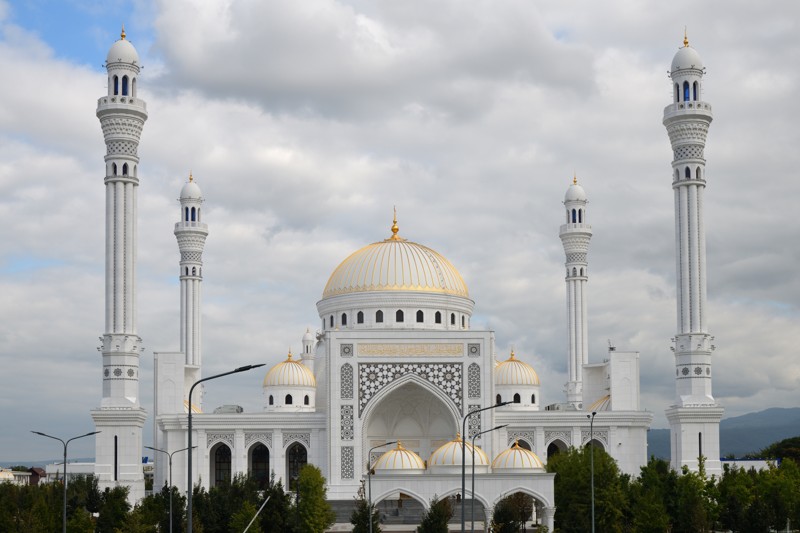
[{"x": 305, "y": 122}]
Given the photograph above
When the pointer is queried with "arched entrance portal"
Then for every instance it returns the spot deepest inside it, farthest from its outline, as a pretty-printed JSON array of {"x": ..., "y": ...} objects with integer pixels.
[
  {"x": 556, "y": 447},
  {"x": 259, "y": 464},
  {"x": 296, "y": 458},
  {"x": 413, "y": 413}
]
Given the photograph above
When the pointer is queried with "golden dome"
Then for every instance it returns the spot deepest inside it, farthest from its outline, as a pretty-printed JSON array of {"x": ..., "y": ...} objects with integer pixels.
[
  {"x": 290, "y": 373},
  {"x": 395, "y": 264},
  {"x": 399, "y": 458},
  {"x": 602, "y": 404},
  {"x": 512, "y": 371},
  {"x": 517, "y": 457},
  {"x": 449, "y": 454}
]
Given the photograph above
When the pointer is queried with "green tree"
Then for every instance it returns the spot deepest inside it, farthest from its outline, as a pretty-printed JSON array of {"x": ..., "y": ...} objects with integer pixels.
[
  {"x": 242, "y": 517},
  {"x": 573, "y": 491},
  {"x": 361, "y": 514},
  {"x": 314, "y": 513},
  {"x": 652, "y": 496},
  {"x": 436, "y": 517},
  {"x": 114, "y": 509},
  {"x": 504, "y": 517},
  {"x": 696, "y": 502},
  {"x": 276, "y": 515}
]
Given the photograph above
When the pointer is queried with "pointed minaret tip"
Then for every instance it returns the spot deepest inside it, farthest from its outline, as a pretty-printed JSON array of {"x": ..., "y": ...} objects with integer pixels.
[
  {"x": 574, "y": 178},
  {"x": 395, "y": 227},
  {"x": 191, "y": 178},
  {"x": 122, "y": 33},
  {"x": 685, "y": 38}
]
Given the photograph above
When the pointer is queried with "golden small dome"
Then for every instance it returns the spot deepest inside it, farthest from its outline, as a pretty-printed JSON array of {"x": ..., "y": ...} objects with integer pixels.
[
  {"x": 399, "y": 458},
  {"x": 603, "y": 404},
  {"x": 512, "y": 371},
  {"x": 395, "y": 264},
  {"x": 517, "y": 457},
  {"x": 290, "y": 373},
  {"x": 449, "y": 454}
]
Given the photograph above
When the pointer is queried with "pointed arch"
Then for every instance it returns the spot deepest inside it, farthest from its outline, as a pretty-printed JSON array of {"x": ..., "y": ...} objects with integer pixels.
[
  {"x": 697, "y": 173},
  {"x": 580, "y": 216},
  {"x": 194, "y": 214},
  {"x": 220, "y": 455},
  {"x": 344, "y": 319},
  {"x": 116, "y": 85},
  {"x": 124, "y": 85},
  {"x": 258, "y": 463},
  {"x": 296, "y": 458},
  {"x": 695, "y": 91},
  {"x": 687, "y": 173},
  {"x": 574, "y": 216},
  {"x": 438, "y": 317},
  {"x": 686, "y": 91},
  {"x": 399, "y": 316},
  {"x": 420, "y": 316},
  {"x": 379, "y": 316},
  {"x": 125, "y": 169},
  {"x": 360, "y": 317}
]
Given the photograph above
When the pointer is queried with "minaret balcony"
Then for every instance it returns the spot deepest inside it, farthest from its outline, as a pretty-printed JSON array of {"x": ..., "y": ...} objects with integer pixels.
[
  {"x": 575, "y": 226},
  {"x": 124, "y": 104},
  {"x": 202, "y": 226},
  {"x": 695, "y": 107}
]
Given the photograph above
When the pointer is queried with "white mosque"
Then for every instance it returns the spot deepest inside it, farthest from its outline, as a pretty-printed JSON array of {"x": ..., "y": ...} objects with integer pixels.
[{"x": 395, "y": 358}]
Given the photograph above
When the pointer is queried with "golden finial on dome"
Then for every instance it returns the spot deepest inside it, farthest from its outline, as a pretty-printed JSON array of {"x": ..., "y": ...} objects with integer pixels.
[
  {"x": 685, "y": 38},
  {"x": 574, "y": 178},
  {"x": 512, "y": 353},
  {"x": 289, "y": 357},
  {"x": 190, "y": 176},
  {"x": 400, "y": 445},
  {"x": 395, "y": 228},
  {"x": 122, "y": 34}
]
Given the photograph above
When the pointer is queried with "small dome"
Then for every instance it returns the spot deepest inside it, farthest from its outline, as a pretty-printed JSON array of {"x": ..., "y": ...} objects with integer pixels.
[
  {"x": 517, "y": 458},
  {"x": 395, "y": 264},
  {"x": 686, "y": 58},
  {"x": 603, "y": 404},
  {"x": 290, "y": 373},
  {"x": 399, "y": 459},
  {"x": 191, "y": 191},
  {"x": 575, "y": 193},
  {"x": 308, "y": 336},
  {"x": 122, "y": 51},
  {"x": 449, "y": 454},
  {"x": 512, "y": 371}
]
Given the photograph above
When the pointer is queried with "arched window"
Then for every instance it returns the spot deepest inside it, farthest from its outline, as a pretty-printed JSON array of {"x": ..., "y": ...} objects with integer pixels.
[
  {"x": 288, "y": 399},
  {"x": 452, "y": 319},
  {"x": 296, "y": 458},
  {"x": 305, "y": 400},
  {"x": 574, "y": 216},
  {"x": 498, "y": 399},
  {"x": 114, "y": 168},
  {"x": 574, "y": 271},
  {"x": 677, "y": 93},
  {"x": 116, "y": 85},
  {"x": 686, "y": 91},
  {"x": 581, "y": 271},
  {"x": 125, "y": 169},
  {"x": 399, "y": 316},
  {"x": 697, "y": 173},
  {"x": 271, "y": 400},
  {"x": 694, "y": 91},
  {"x": 222, "y": 465},
  {"x": 438, "y": 317},
  {"x": 133, "y": 87},
  {"x": 463, "y": 321},
  {"x": 186, "y": 215},
  {"x": 379, "y": 317},
  {"x": 677, "y": 175},
  {"x": 517, "y": 398},
  {"x": 533, "y": 398},
  {"x": 259, "y": 465},
  {"x": 124, "y": 85},
  {"x": 524, "y": 445},
  {"x": 344, "y": 319},
  {"x": 580, "y": 216},
  {"x": 360, "y": 317},
  {"x": 194, "y": 215},
  {"x": 194, "y": 271},
  {"x": 187, "y": 271},
  {"x": 420, "y": 316},
  {"x": 687, "y": 173},
  {"x": 198, "y": 214},
  {"x": 331, "y": 321}
]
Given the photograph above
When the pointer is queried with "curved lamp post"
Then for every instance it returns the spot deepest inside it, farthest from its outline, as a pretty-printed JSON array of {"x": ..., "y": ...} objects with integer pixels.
[
  {"x": 369, "y": 479},
  {"x": 472, "y": 490},
  {"x": 591, "y": 457},
  {"x": 170, "y": 476},
  {"x": 189, "y": 436},
  {"x": 464, "y": 452},
  {"x": 64, "y": 518}
]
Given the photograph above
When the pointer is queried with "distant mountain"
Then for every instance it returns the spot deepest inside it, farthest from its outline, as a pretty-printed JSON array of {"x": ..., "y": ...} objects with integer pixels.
[{"x": 740, "y": 435}]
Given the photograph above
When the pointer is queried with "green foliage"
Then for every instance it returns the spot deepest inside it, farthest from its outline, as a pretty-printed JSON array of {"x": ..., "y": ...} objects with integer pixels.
[
  {"x": 360, "y": 516},
  {"x": 436, "y": 517},
  {"x": 114, "y": 509},
  {"x": 242, "y": 517},
  {"x": 276, "y": 515},
  {"x": 785, "y": 449},
  {"x": 696, "y": 502},
  {"x": 573, "y": 491},
  {"x": 652, "y": 496},
  {"x": 314, "y": 513},
  {"x": 511, "y": 513}
]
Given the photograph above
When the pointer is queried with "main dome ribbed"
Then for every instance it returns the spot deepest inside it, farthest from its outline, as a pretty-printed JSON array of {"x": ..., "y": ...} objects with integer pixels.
[{"x": 395, "y": 264}]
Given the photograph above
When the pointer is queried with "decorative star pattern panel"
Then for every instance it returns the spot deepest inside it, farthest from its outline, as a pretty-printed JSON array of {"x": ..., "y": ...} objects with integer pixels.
[
  {"x": 347, "y": 422},
  {"x": 474, "y": 381},
  {"x": 474, "y": 422},
  {"x": 348, "y": 470},
  {"x": 347, "y": 381},
  {"x": 372, "y": 377}
]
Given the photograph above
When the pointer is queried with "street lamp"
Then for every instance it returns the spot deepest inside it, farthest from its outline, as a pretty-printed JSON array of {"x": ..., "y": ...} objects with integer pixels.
[
  {"x": 369, "y": 479},
  {"x": 64, "y": 526},
  {"x": 189, "y": 455},
  {"x": 464, "y": 452},
  {"x": 170, "y": 476},
  {"x": 591, "y": 457},
  {"x": 472, "y": 491}
]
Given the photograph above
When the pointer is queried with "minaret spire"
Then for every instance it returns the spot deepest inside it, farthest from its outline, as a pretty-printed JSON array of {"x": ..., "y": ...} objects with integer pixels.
[
  {"x": 694, "y": 418},
  {"x": 120, "y": 416},
  {"x": 575, "y": 236}
]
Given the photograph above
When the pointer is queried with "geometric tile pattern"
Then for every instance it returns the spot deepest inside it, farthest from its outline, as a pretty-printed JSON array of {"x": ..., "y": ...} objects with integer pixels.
[{"x": 372, "y": 377}]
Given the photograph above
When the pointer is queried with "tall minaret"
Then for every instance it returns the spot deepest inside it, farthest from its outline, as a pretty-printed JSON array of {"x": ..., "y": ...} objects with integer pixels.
[
  {"x": 575, "y": 236},
  {"x": 120, "y": 417},
  {"x": 694, "y": 418}
]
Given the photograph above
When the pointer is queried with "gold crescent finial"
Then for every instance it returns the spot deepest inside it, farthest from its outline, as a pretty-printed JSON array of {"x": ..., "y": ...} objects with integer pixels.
[
  {"x": 574, "y": 178},
  {"x": 685, "y": 38},
  {"x": 122, "y": 34},
  {"x": 289, "y": 357},
  {"x": 512, "y": 353},
  {"x": 395, "y": 228},
  {"x": 190, "y": 176}
]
